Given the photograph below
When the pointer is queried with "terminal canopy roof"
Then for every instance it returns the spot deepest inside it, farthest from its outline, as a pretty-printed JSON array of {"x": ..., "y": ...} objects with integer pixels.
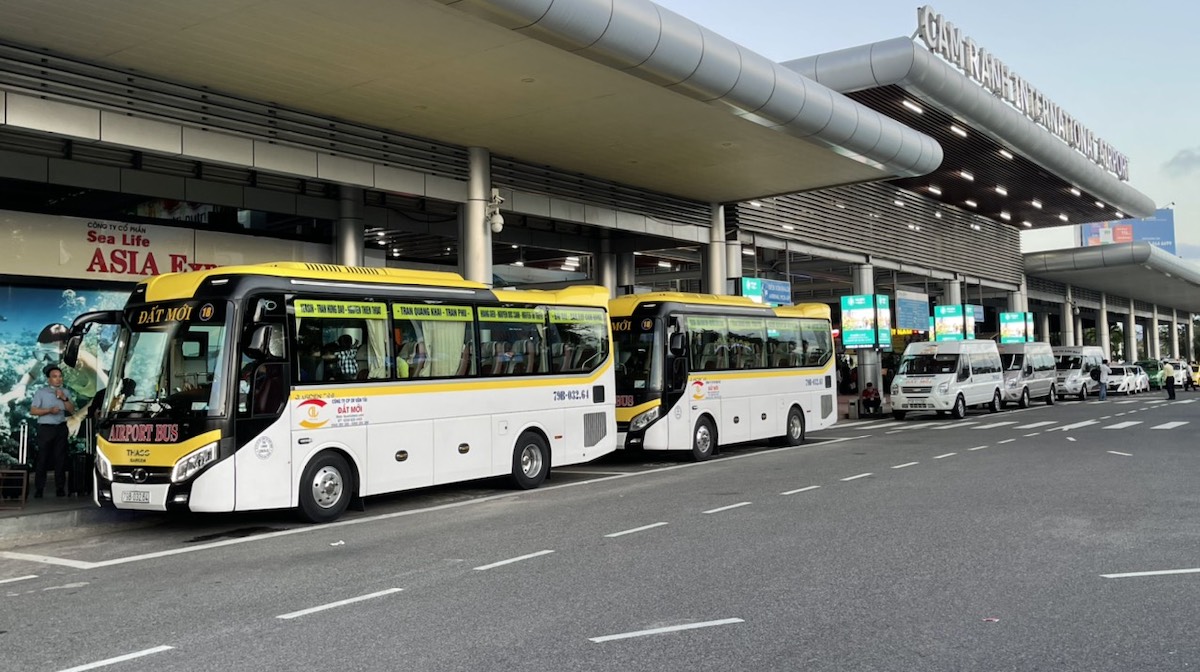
[
  {"x": 1136, "y": 270},
  {"x": 620, "y": 90},
  {"x": 998, "y": 162}
]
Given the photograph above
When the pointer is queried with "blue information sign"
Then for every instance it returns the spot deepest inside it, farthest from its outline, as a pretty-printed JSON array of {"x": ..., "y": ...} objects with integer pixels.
[{"x": 912, "y": 310}]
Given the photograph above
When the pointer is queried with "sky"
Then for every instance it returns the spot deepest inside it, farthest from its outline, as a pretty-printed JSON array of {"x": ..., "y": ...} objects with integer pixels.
[{"x": 1128, "y": 71}]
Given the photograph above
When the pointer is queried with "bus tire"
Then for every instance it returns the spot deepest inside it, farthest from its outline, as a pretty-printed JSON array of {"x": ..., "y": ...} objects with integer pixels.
[
  {"x": 960, "y": 408},
  {"x": 531, "y": 460},
  {"x": 325, "y": 488},
  {"x": 1024, "y": 402},
  {"x": 899, "y": 415},
  {"x": 1051, "y": 397},
  {"x": 997, "y": 403},
  {"x": 704, "y": 440},
  {"x": 794, "y": 433}
]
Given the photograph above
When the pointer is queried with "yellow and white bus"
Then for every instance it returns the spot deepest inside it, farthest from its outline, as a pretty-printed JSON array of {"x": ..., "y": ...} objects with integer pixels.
[
  {"x": 697, "y": 371},
  {"x": 306, "y": 385}
]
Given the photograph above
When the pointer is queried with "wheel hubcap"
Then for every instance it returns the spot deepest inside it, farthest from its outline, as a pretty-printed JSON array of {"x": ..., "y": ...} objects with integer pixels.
[
  {"x": 795, "y": 427},
  {"x": 327, "y": 487},
  {"x": 703, "y": 439},
  {"x": 531, "y": 460}
]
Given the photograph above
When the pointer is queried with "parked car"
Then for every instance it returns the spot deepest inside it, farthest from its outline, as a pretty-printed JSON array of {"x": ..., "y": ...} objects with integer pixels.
[
  {"x": 1123, "y": 380},
  {"x": 1154, "y": 370}
]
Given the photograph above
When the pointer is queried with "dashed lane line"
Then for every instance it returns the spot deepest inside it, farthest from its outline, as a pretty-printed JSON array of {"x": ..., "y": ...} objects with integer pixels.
[
  {"x": 636, "y": 529},
  {"x": 946, "y": 455},
  {"x": 1034, "y": 425},
  {"x": 339, "y": 603},
  {"x": 670, "y": 628},
  {"x": 1170, "y": 425},
  {"x": 856, "y": 477},
  {"x": 1124, "y": 425},
  {"x": 1117, "y": 452},
  {"x": 119, "y": 659},
  {"x": 906, "y": 464},
  {"x": 799, "y": 490},
  {"x": 1005, "y": 441},
  {"x": 993, "y": 425},
  {"x": 512, "y": 560},
  {"x": 726, "y": 508},
  {"x": 977, "y": 448}
]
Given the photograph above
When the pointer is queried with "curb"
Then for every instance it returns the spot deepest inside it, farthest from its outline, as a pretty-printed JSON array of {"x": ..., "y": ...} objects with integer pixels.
[{"x": 38, "y": 528}]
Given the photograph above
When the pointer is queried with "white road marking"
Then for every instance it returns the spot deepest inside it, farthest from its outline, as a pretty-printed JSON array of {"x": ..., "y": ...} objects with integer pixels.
[
  {"x": 1077, "y": 425},
  {"x": 636, "y": 529},
  {"x": 906, "y": 464},
  {"x": 47, "y": 560},
  {"x": 851, "y": 478},
  {"x": 946, "y": 455},
  {"x": 1131, "y": 401},
  {"x": 307, "y": 529},
  {"x": 1070, "y": 438},
  {"x": 19, "y": 578},
  {"x": 1124, "y": 425},
  {"x": 977, "y": 448},
  {"x": 1032, "y": 434},
  {"x": 512, "y": 560},
  {"x": 1005, "y": 441},
  {"x": 1119, "y": 415},
  {"x": 1186, "y": 401},
  {"x": 997, "y": 424},
  {"x": 1163, "y": 572},
  {"x": 118, "y": 659},
  {"x": 1157, "y": 401},
  {"x": 590, "y": 473},
  {"x": 1034, "y": 425},
  {"x": 955, "y": 425},
  {"x": 841, "y": 425},
  {"x": 670, "y": 628},
  {"x": 1105, "y": 417},
  {"x": 1170, "y": 425},
  {"x": 340, "y": 603},
  {"x": 726, "y": 508},
  {"x": 1115, "y": 452},
  {"x": 792, "y": 492}
]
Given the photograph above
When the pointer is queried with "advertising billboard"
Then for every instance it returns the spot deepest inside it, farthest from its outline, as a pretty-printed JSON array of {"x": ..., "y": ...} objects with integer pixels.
[
  {"x": 1158, "y": 230},
  {"x": 948, "y": 323},
  {"x": 858, "y": 321},
  {"x": 771, "y": 292},
  {"x": 1029, "y": 328},
  {"x": 883, "y": 320},
  {"x": 1012, "y": 327}
]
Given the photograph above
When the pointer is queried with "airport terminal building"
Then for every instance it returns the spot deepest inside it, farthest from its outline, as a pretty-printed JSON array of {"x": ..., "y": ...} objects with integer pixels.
[{"x": 540, "y": 144}]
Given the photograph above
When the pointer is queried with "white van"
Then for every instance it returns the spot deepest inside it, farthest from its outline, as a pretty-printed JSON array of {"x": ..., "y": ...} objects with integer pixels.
[
  {"x": 947, "y": 376},
  {"x": 1028, "y": 372},
  {"x": 1074, "y": 364}
]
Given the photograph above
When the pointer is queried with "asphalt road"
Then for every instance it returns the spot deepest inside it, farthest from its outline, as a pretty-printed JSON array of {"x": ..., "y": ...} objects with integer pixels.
[{"x": 929, "y": 544}]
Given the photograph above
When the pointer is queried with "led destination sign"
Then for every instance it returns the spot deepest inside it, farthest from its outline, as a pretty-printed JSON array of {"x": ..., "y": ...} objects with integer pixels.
[{"x": 946, "y": 40}]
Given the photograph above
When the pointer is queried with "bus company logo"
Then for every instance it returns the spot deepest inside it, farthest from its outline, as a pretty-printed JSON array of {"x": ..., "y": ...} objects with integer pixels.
[
  {"x": 699, "y": 390},
  {"x": 622, "y": 325},
  {"x": 206, "y": 312},
  {"x": 311, "y": 412}
]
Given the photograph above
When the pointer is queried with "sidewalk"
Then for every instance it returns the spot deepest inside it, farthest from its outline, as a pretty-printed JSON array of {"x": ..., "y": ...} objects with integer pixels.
[{"x": 56, "y": 518}]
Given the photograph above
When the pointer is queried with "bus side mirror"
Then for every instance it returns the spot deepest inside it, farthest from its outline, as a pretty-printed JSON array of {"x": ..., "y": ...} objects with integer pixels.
[
  {"x": 71, "y": 352},
  {"x": 1029, "y": 369},
  {"x": 258, "y": 345},
  {"x": 675, "y": 344}
]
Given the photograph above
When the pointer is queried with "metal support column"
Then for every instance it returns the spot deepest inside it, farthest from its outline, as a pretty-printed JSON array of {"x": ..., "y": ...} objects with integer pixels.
[
  {"x": 1191, "y": 337},
  {"x": 1044, "y": 327},
  {"x": 1067, "y": 321},
  {"x": 1131, "y": 344},
  {"x": 1153, "y": 345},
  {"x": 1174, "y": 334},
  {"x": 626, "y": 273},
  {"x": 714, "y": 258},
  {"x": 606, "y": 267},
  {"x": 868, "y": 358},
  {"x": 1102, "y": 327},
  {"x": 475, "y": 238},
  {"x": 349, "y": 231}
]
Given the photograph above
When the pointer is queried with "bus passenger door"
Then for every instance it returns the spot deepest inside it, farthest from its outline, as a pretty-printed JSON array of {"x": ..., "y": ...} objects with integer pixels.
[{"x": 263, "y": 460}]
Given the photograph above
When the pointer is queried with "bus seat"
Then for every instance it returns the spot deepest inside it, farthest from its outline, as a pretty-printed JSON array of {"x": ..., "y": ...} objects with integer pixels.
[
  {"x": 526, "y": 350},
  {"x": 503, "y": 355},
  {"x": 564, "y": 354},
  {"x": 417, "y": 361},
  {"x": 708, "y": 360},
  {"x": 464, "y": 362}
]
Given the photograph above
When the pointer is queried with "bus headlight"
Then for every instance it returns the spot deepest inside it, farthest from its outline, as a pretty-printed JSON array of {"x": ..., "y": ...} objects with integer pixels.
[
  {"x": 895, "y": 388},
  {"x": 1012, "y": 382},
  {"x": 103, "y": 466},
  {"x": 193, "y": 462},
  {"x": 640, "y": 420},
  {"x": 944, "y": 388}
]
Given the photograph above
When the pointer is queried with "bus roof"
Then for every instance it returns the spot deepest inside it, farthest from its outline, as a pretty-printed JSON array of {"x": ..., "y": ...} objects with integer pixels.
[
  {"x": 178, "y": 286},
  {"x": 625, "y": 305}
]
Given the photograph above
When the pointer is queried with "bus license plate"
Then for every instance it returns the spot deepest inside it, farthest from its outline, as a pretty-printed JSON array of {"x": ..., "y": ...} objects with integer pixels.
[{"x": 136, "y": 496}]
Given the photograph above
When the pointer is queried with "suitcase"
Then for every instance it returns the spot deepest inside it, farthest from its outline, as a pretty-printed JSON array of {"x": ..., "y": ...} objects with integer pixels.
[{"x": 79, "y": 473}]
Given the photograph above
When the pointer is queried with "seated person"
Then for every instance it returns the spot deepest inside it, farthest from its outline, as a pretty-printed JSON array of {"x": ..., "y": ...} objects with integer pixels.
[
  {"x": 871, "y": 402},
  {"x": 342, "y": 354}
]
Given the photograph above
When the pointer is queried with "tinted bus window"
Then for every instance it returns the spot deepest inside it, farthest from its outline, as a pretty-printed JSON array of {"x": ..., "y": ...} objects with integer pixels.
[
  {"x": 341, "y": 340},
  {"x": 512, "y": 340},
  {"x": 707, "y": 340},
  {"x": 578, "y": 339},
  {"x": 433, "y": 341}
]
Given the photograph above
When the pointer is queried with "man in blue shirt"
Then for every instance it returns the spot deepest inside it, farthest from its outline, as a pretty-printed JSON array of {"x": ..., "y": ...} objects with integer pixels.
[{"x": 51, "y": 406}]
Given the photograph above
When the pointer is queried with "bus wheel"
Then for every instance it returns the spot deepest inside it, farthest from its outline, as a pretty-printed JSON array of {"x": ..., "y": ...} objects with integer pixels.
[
  {"x": 531, "y": 461},
  {"x": 1051, "y": 397},
  {"x": 899, "y": 415},
  {"x": 795, "y": 427},
  {"x": 997, "y": 403},
  {"x": 1024, "y": 403},
  {"x": 325, "y": 488},
  {"x": 704, "y": 440},
  {"x": 960, "y": 408}
]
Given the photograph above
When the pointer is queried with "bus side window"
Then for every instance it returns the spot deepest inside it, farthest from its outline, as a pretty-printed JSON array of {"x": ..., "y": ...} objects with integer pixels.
[{"x": 270, "y": 389}]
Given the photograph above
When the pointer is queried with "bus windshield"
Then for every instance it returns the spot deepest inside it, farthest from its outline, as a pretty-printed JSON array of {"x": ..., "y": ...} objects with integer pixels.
[
  {"x": 924, "y": 365},
  {"x": 170, "y": 360},
  {"x": 639, "y": 362}
]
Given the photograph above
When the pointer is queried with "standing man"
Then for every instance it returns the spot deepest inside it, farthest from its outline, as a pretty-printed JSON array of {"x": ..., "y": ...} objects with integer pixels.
[
  {"x": 51, "y": 406},
  {"x": 1104, "y": 371},
  {"x": 1169, "y": 379}
]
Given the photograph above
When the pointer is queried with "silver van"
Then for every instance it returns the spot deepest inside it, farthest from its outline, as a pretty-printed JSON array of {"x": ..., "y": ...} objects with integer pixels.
[
  {"x": 1074, "y": 364},
  {"x": 947, "y": 376},
  {"x": 1028, "y": 372}
]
